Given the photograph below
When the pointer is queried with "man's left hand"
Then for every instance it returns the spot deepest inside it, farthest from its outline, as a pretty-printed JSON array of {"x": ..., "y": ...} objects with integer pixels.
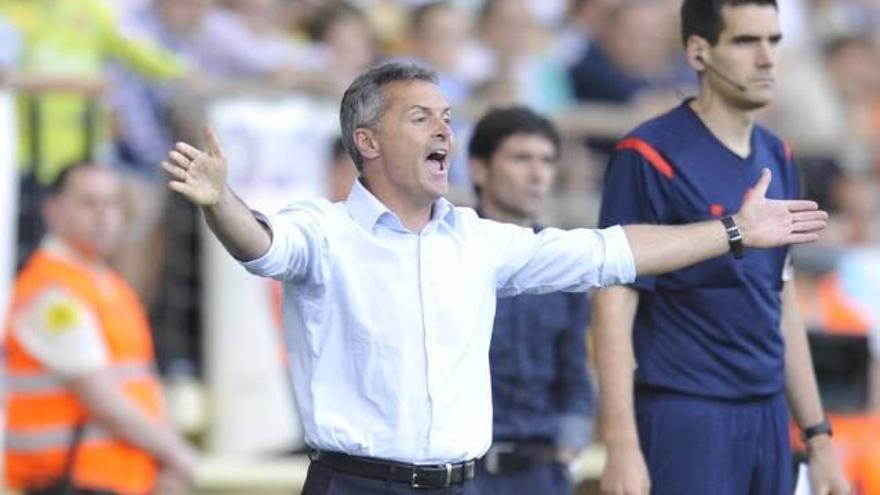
[{"x": 826, "y": 476}]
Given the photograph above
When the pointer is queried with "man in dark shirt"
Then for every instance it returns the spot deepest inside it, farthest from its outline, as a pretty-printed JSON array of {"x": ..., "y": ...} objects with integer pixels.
[
  {"x": 541, "y": 393},
  {"x": 720, "y": 350}
]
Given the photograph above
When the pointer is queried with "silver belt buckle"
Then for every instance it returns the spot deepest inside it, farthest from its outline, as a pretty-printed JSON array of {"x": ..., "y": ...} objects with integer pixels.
[{"x": 414, "y": 482}]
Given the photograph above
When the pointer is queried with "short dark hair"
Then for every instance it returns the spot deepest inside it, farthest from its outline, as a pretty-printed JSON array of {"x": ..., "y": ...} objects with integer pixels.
[
  {"x": 501, "y": 123},
  {"x": 703, "y": 17},
  {"x": 364, "y": 102}
]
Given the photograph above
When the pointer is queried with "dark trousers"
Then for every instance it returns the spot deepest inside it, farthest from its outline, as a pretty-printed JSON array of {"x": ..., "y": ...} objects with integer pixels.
[
  {"x": 699, "y": 445},
  {"x": 542, "y": 479},
  {"x": 322, "y": 480}
]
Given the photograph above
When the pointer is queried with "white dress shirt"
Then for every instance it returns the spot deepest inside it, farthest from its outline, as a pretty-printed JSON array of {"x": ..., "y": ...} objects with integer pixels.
[{"x": 388, "y": 330}]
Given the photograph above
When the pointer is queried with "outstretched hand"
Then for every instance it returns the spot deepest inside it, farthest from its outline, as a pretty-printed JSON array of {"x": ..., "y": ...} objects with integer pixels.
[
  {"x": 766, "y": 223},
  {"x": 197, "y": 175}
]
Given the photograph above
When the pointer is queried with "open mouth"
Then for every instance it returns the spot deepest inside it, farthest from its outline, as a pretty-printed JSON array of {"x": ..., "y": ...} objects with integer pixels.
[{"x": 437, "y": 160}]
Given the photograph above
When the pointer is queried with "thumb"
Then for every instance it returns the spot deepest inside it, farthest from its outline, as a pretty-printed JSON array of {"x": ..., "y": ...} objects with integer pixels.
[
  {"x": 213, "y": 143},
  {"x": 762, "y": 185}
]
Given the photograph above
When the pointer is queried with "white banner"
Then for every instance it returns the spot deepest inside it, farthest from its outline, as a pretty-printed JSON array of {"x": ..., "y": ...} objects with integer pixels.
[
  {"x": 278, "y": 152},
  {"x": 278, "y": 149}
]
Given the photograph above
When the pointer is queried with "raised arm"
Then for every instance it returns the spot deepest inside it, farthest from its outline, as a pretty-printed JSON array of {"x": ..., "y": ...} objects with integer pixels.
[
  {"x": 763, "y": 223},
  {"x": 200, "y": 177}
]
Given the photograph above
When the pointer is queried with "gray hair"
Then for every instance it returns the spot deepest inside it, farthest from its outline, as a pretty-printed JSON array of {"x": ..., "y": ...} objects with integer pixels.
[{"x": 364, "y": 102}]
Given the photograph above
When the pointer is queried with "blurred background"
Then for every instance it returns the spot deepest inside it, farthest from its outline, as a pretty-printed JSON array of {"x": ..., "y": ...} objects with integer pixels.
[{"x": 117, "y": 82}]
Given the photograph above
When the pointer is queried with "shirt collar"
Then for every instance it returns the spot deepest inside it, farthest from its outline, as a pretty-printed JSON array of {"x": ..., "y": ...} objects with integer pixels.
[{"x": 367, "y": 210}]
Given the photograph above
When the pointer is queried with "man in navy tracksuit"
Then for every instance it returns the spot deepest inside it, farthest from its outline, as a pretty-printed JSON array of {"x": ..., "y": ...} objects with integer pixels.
[
  {"x": 718, "y": 346},
  {"x": 541, "y": 393}
]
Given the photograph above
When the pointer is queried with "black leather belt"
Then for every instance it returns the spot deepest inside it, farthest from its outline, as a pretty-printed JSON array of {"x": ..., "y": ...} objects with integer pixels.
[
  {"x": 509, "y": 457},
  {"x": 414, "y": 475}
]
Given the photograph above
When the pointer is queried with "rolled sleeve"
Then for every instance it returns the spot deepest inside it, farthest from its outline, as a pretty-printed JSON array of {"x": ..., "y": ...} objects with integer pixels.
[
  {"x": 619, "y": 266},
  {"x": 559, "y": 260},
  {"x": 295, "y": 247}
]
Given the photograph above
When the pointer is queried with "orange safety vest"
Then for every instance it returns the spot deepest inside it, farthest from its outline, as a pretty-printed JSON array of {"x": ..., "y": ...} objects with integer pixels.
[
  {"x": 42, "y": 413},
  {"x": 838, "y": 314}
]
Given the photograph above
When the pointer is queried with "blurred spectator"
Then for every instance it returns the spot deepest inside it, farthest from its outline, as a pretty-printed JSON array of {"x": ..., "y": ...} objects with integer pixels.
[
  {"x": 834, "y": 18},
  {"x": 852, "y": 64},
  {"x": 516, "y": 67},
  {"x": 80, "y": 363},
  {"x": 630, "y": 65},
  {"x": 346, "y": 44},
  {"x": 230, "y": 48},
  {"x": 60, "y": 80},
  {"x": 438, "y": 36},
  {"x": 585, "y": 19},
  {"x": 631, "y": 54},
  {"x": 835, "y": 93},
  {"x": 66, "y": 46},
  {"x": 840, "y": 298}
]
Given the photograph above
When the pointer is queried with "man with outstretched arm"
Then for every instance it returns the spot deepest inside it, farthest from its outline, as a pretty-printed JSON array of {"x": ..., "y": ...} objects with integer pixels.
[{"x": 390, "y": 296}]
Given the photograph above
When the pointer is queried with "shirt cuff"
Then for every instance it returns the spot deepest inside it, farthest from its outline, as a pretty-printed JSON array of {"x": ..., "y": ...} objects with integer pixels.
[
  {"x": 574, "y": 431},
  {"x": 619, "y": 267}
]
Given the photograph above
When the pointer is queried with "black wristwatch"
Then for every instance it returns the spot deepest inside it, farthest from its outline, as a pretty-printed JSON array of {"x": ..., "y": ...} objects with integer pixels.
[
  {"x": 734, "y": 236},
  {"x": 823, "y": 428}
]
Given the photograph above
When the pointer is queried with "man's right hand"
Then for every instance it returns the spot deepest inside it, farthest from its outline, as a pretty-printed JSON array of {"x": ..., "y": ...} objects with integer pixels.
[
  {"x": 198, "y": 176},
  {"x": 625, "y": 473}
]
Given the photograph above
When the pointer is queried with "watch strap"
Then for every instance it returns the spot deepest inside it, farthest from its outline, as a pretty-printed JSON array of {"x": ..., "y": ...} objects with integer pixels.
[
  {"x": 823, "y": 428},
  {"x": 734, "y": 236}
]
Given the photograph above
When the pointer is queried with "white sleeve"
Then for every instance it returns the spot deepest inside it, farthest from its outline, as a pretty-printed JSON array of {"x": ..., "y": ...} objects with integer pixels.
[
  {"x": 61, "y": 332},
  {"x": 296, "y": 243},
  {"x": 558, "y": 260}
]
